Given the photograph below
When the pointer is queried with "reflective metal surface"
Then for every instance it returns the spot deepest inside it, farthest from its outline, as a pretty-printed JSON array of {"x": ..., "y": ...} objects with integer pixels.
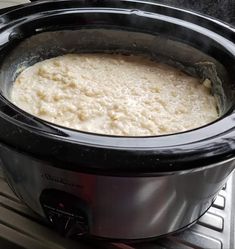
[
  {"x": 22, "y": 228},
  {"x": 121, "y": 207}
]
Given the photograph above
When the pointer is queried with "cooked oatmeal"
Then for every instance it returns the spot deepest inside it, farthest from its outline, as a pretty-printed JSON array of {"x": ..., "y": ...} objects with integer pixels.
[{"x": 114, "y": 94}]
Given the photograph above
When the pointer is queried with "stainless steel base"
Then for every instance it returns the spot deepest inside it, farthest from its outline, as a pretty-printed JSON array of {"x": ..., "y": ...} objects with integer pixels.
[
  {"x": 21, "y": 228},
  {"x": 114, "y": 207}
]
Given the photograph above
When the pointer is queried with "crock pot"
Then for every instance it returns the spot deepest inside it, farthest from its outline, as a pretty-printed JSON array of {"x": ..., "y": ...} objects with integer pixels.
[{"x": 111, "y": 187}]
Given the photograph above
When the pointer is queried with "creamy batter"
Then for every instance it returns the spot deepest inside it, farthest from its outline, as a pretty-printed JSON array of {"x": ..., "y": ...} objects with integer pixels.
[{"x": 114, "y": 94}]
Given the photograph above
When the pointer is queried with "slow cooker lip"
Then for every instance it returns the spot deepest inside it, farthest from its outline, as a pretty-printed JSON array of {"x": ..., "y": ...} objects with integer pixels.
[
  {"x": 135, "y": 146},
  {"x": 117, "y": 173},
  {"x": 131, "y": 143},
  {"x": 133, "y": 5}
]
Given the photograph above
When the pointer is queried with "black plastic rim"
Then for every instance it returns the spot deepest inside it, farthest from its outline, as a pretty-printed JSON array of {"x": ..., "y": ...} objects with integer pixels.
[{"x": 81, "y": 151}]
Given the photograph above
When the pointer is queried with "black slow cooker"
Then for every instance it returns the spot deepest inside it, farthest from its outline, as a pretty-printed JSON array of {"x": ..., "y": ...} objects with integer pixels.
[{"x": 114, "y": 187}]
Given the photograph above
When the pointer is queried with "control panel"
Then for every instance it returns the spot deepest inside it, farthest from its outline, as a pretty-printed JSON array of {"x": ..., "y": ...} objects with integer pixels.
[{"x": 66, "y": 212}]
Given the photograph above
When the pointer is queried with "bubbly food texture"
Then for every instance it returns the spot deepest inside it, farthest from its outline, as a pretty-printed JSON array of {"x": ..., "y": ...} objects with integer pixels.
[{"x": 114, "y": 94}]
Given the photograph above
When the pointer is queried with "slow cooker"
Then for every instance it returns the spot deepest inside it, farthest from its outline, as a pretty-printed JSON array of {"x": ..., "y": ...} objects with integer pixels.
[{"x": 111, "y": 187}]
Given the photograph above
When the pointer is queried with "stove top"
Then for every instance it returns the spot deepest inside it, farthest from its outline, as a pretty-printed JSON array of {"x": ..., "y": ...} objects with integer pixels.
[{"x": 21, "y": 228}]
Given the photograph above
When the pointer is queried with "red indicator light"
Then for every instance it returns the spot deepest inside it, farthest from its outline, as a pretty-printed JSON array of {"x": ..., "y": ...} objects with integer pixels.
[{"x": 61, "y": 205}]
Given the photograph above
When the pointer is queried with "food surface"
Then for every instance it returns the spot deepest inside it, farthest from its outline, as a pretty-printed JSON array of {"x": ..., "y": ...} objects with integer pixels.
[{"x": 114, "y": 94}]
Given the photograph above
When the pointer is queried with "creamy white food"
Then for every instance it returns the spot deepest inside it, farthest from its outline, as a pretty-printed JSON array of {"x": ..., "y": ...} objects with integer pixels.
[{"x": 115, "y": 95}]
